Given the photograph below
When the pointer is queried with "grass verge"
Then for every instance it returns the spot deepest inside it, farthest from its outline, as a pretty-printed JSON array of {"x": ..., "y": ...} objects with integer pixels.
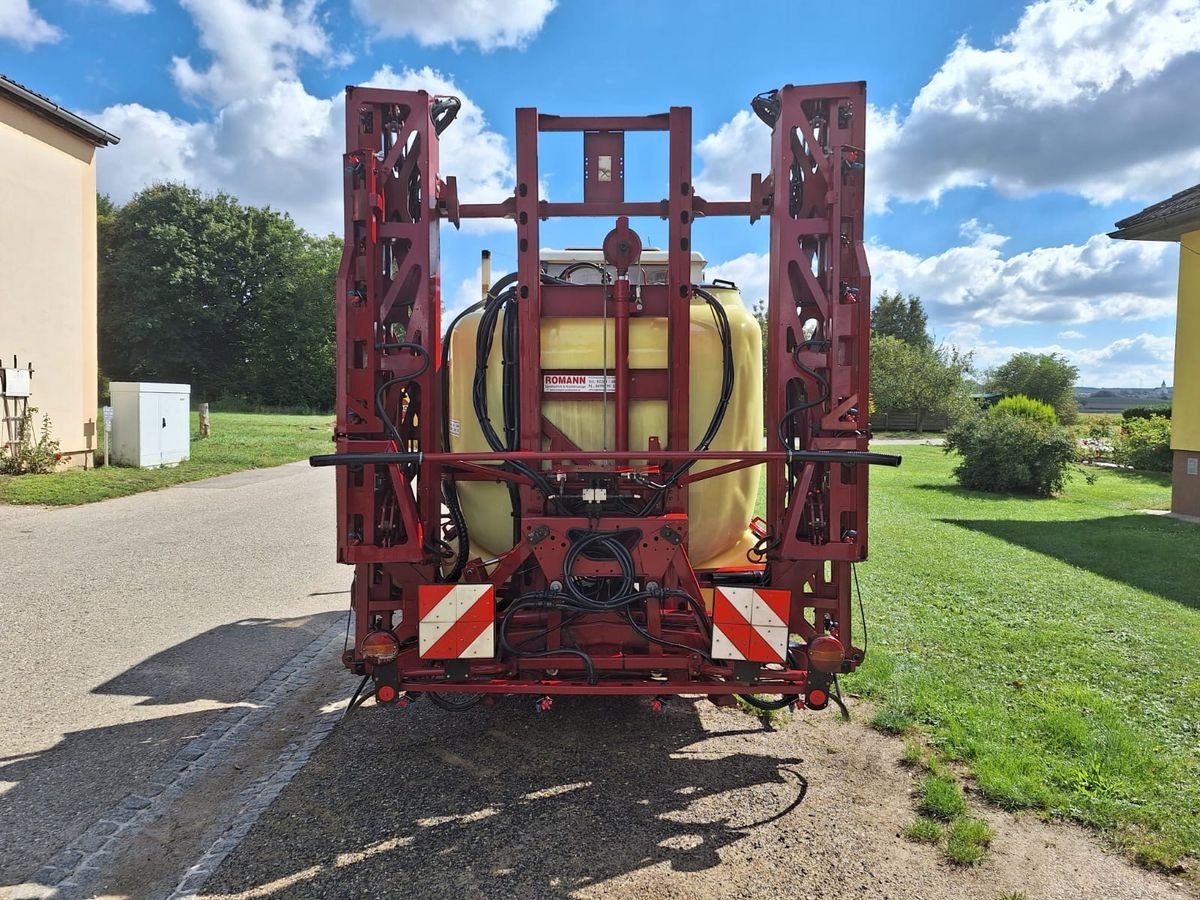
[
  {"x": 238, "y": 441},
  {"x": 1050, "y": 645},
  {"x": 924, "y": 831},
  {"x": 967, "y": 840},
  {"x": 941, "y": 798}
]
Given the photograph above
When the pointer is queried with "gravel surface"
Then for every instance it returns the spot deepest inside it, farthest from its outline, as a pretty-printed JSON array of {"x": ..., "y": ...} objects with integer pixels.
[
  {"x": 601, "y": 798},
  {"x": 130, "y": 624}
]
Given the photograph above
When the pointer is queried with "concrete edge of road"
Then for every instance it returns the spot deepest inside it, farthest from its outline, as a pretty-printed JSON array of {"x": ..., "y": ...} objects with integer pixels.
[{"x": 72, "y": 870}]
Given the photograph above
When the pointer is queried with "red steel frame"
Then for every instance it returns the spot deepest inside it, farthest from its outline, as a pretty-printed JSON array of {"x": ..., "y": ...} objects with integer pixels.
[{"x": 390, "y": 515}]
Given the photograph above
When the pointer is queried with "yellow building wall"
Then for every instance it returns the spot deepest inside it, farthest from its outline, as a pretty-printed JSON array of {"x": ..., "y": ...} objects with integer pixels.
[
  {"x": 1185, "y": 422},
  {"x": 48, "y": 270}
]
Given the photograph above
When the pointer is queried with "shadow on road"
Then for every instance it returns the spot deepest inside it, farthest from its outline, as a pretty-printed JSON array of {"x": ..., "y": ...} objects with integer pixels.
[
  {"x": 1123, "y": 548},
  {"x": 216, "y": 665},
  {"x": 498, "y": 802},
  {"x": 57, "y": 793}
]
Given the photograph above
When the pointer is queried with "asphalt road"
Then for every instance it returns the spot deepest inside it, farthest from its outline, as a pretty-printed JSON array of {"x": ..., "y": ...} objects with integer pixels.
[{"x": 127, "y": 626}]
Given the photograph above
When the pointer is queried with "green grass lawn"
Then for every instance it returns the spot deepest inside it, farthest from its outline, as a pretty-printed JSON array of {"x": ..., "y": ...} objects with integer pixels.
[
  {"x": 1052, "y": 646},
  {"x": 238, "y": 441}
]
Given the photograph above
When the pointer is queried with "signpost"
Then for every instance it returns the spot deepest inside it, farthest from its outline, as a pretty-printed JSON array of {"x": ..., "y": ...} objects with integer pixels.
[{"x": 107, "y": 410}]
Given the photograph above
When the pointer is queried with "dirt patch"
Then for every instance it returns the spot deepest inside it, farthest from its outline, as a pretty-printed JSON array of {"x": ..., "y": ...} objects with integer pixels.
[{"x": 601, "y": 798}]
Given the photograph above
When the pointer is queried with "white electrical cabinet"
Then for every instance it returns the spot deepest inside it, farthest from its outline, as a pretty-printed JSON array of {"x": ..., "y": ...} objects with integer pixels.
[{"x": 151, "y": 423}]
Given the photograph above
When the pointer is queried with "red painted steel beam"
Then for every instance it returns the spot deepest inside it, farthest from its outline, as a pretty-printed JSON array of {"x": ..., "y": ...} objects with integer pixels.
[
  {"x": 655, "y": 122},
  {"x": 529, "y": 293},
  {"x": 679, "y": 290}
]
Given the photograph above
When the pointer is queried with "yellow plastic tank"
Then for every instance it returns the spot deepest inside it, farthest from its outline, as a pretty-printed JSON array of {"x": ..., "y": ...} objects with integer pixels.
[{"x": 720, "y": 508}]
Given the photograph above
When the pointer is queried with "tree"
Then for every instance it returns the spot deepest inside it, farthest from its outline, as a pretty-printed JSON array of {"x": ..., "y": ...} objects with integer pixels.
[
  {"x": 922, "y": 380},
  {"x": 236, "y": 301},
  {"x": 900, "y": 317},
  {"x": 1048, "y": 377}
]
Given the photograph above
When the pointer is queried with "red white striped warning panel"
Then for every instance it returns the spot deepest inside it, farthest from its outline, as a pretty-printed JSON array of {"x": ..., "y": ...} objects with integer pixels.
[
  {"x": 750, "y": 624},
  {"x": 456, "y": 621}
]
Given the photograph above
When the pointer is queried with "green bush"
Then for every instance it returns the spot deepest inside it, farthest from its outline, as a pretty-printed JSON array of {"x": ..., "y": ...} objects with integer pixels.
[
  {"x": 1145, "y": 444},
  {"x": 28, "y": 456},
  {"x": 1097, "y": 434},
  {"x": 1020, "y": 405},
  {"x": 1098, "y": 426},
  {"x": 1146, "y": 412},
  {"x": 1009, "y": 454}
]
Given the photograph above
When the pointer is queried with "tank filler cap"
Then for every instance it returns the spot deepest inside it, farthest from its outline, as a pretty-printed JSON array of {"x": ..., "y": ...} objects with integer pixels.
[{"x": 622, "y": 246}]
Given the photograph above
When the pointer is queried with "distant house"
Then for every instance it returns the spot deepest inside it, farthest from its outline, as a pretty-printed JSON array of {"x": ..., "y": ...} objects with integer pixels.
[
  {"x": 48, "y": 259},
  {"x": 1178, "y": 219}
]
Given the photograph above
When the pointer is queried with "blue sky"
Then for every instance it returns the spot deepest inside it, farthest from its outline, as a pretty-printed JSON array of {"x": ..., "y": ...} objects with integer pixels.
[{"x": 1004, "y": 139}]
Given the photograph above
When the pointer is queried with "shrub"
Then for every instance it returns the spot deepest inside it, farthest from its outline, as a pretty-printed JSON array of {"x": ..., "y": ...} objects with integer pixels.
[
  {"x": 1145, "y": 444},
  {"x": 1012, "y": 454},
  {"x": 1096, "y": 435},
  {"x": 1146, "y": 412},
  {"x": 27, "y": 456},
  {"x": 1020, "y": 405}
]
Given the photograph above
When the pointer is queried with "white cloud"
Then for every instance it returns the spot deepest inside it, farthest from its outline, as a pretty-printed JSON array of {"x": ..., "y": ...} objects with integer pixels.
[
  {"x": 268, "y": 140},
  {"x": 1081, "y": 97},
  {"x": 253, "y": 47},
  {"x": 435, "y": 22},
  {"x": 21, "y": 24},
  {"x": 240, "y": 149},
  {"x": 729, "y": 155},
  {"x": 1033, "y": 287},
  {"x": 1073, "y": 283},
  {"x": 750, "y": 272},
  {"x": 1144, "y": 360},
  {"x": 977, "y": 284},
  {"x": 131, "y": 6}
]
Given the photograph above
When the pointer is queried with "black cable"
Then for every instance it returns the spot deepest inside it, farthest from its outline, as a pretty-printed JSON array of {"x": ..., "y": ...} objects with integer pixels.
[
  {"x": 355, "y": 702},
  {"x": 862, "y": 611},
  {"x": 610, "y": 542},
  {"x": 381, "y": 407},
  {"x": 539, "y": 599},
  {"x": 449, "y": 483},
  {"x": 479, "y": 399},
  {"x": 565, "y": 274},
  {"x": 821, "y": 380},
  {"x": 782, "y": 702},
  {"x": 727, "y": 382},
  {"x": 836, "y": 697}
]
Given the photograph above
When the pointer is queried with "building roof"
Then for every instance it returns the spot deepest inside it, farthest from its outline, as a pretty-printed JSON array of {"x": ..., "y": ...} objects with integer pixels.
[
  {"x": 48, "y": 109},
  {"x": 1165, "y": 220}
]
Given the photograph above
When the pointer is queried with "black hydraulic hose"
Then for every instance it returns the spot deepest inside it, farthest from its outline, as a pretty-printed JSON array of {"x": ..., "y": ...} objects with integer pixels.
[
  {"x": 771, "y": 705},
  {"x": 565, "y": 274},
  {"x": 493, "y": 292},
  {"x": 807, "y": 404},
  {"x": 610, "y": 542},
  {"x": 727, "y": 382},
  {"x": 449, "y": 484},
  {"x": 483, "y": 348},
  {"x": 540, "y": 599},
  {"x": 381, "y": 406}
]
